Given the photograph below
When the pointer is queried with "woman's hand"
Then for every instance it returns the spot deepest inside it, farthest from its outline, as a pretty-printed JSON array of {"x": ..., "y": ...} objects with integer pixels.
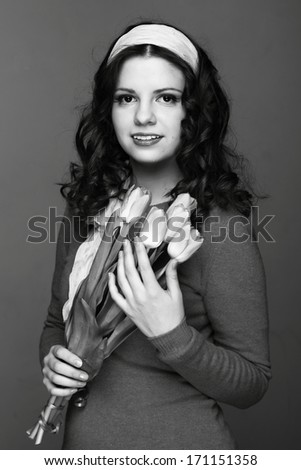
[
  {"x": 62, "y": 374},
  {"x": 154, "y": 310}
]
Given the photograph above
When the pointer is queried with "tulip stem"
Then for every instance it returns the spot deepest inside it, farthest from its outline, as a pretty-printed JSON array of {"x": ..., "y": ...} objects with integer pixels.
[{"x": 47, "y": 419}]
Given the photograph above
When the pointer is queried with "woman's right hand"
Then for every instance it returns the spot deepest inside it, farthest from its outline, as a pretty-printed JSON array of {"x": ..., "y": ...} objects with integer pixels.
[{"x": 62, "y": 374}]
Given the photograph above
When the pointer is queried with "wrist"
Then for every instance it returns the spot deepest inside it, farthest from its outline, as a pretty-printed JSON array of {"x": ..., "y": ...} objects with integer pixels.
[
  {"x": 163, "y": 330},
  {"x": 176, "y": 344}
]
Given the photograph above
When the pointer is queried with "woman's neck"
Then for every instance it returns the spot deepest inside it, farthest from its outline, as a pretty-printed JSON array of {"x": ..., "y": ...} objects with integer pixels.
[{"x": 158, "y": 178}]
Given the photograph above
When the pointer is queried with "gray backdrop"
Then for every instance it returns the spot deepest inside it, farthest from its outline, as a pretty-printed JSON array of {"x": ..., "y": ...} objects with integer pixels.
[{"x": 49, "y": 52}]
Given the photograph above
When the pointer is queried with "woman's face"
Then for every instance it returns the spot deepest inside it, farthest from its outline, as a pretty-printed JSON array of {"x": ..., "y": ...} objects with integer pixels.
[{"x": 147, "y": 109}]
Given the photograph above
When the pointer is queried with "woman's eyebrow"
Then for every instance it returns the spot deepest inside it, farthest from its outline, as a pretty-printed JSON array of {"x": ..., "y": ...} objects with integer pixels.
[
  {"x": 160, "y": 90},
  {"x": 128, "y": 90}
]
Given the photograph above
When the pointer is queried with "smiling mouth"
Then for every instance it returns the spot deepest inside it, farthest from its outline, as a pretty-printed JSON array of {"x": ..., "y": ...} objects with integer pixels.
[{"x": 146, "y": 139}]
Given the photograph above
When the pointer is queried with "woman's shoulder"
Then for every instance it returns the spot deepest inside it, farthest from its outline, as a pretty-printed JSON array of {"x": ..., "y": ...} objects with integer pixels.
[
  {"x": 225, "y": 225},
  {"x": 227, "y": 234},
  {"x": 228, "y": 244},
  {"x": 72, "y": 232}
]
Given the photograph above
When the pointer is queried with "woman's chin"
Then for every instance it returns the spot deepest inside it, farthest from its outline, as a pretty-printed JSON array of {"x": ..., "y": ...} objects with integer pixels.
[{"x": 150, "y": 158}]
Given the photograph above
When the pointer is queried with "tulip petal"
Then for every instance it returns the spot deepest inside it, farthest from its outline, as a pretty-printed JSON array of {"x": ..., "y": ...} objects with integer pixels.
[
  {"x": 194, "y": 243},
  {"x": 184, "y": 198},
  {"x": 178, "y": 244},
  {"x": 138, "y": 207},
  {"x": 129, "y": 210},
  {"x": 154, "y": 228},
  {"x": 177, "y": 218}
]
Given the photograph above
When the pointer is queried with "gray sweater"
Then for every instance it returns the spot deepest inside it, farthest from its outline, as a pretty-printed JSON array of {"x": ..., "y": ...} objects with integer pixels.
[{"x": 163, "y": 392}]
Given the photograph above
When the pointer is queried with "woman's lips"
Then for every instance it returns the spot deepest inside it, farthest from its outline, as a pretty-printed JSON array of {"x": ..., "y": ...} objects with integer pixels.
[{"x": 145, "y": 140}]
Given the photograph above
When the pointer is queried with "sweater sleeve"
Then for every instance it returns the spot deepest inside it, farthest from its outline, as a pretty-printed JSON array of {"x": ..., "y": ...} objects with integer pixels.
[
  {"x": 231, "y": 366},
  {"x": 70, "y": 235}
]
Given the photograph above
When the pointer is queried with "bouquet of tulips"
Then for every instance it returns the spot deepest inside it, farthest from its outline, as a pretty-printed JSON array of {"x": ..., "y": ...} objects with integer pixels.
[{"x": 94, "y": 324}]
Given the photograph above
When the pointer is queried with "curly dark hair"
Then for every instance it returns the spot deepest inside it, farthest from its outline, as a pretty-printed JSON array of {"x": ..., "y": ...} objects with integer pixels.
[{"x": 212, "y": 171}]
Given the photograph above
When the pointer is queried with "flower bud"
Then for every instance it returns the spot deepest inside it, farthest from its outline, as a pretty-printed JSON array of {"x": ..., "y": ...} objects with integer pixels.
[
  {"x": 188, "y": 202},
  {"x": 177, "y": 217},
  {"x": 135, "y": 203},
  {"x": 194, "y": 243},
  {"x": 178, "y": 244},
  {"x": 154, "y": 228}
]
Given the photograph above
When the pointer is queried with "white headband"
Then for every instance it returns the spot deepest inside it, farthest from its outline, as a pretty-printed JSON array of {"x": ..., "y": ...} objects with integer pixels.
[{"x": 159, "y": 35}]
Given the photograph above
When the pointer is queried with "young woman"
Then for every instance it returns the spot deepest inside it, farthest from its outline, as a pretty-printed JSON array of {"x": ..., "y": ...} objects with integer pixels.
[{"x": 159, "y": 118}]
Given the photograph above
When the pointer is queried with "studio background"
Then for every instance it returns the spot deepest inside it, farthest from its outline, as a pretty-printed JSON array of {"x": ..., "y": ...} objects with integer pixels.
[{"x": 49, "y": 52}]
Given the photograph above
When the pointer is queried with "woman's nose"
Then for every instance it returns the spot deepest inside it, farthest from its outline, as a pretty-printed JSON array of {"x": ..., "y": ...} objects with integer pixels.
[{"x": 144, "y": 114}]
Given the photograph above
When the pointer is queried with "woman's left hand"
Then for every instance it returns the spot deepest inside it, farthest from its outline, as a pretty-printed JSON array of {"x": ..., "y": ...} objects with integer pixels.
[{"x": 154, "y": 310}]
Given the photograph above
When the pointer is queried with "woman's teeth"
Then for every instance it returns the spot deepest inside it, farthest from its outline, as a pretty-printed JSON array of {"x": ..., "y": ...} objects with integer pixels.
[{"x": 146, "y": 137}]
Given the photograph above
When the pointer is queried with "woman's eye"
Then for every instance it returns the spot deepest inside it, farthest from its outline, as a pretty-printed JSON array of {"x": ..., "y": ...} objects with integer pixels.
[
  {"x": 168, "y": 99},
  {"x": 124, "y": 99}
]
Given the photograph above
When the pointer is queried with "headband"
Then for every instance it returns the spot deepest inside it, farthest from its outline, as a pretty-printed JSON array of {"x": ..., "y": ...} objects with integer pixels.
[{"x": 158, "y": 35}]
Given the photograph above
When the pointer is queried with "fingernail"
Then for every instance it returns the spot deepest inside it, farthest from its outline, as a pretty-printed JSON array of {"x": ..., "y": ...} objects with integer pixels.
[
  {"x": 83, "y": 377},
  {"x": 78, "y": 363}
]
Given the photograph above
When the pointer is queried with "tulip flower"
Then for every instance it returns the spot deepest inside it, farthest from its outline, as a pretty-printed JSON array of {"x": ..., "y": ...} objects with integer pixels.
[
  {"x": 135, "y": 204},
  {"x": 177, "y": 217},
  {"x": 194, "y": 242},
  {"x": 178, "y": 244},
  {"x": 154, "y": 228},
  {"x": 188, "y": 202}
]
